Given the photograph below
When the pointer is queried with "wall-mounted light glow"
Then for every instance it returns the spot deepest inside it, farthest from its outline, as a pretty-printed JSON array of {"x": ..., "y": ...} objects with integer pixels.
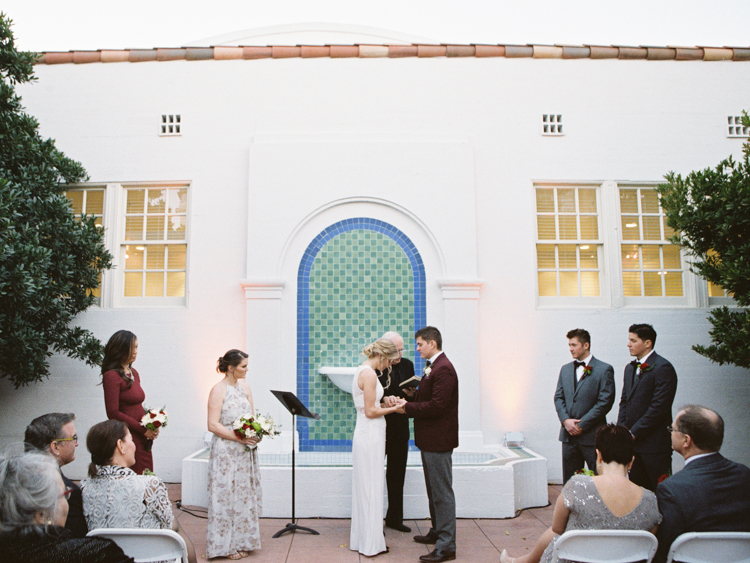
[
  {"x": 631, "y": 225},
  {"x": 585, "y": 247}
]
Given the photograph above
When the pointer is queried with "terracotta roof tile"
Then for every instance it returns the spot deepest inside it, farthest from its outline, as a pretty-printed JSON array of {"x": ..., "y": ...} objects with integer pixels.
[
  {"x": 516, "y": 51},
  {"x": 170, "y": 54},
  {"x": 630, "y": 53},
  {"x": 432, "y": 51},
  {"x": 142, "y": 55},
  {"x": 344, "y": 51},
  {"x": 314, "y": 51},
  {"x": 547, "y": 52},
  {"x": 115, "y": 56},
  {"x": 603, "y": 52},
  {"x": 575, "y": 52},
  {"x": 58, "y": 58},
  {"x": 461, "y": 50},
  {"x": 490, "y": 50},
  {"x": 199, "y": 53},
  {"x": 285, "y": 52},
  {"x": 689, "y": 54},
  {"x": 83, "y": 57},
  {"x": 372, "y": 51},
  {"x": 257, "y": 52},
  {"x": 398, "y": 51}
]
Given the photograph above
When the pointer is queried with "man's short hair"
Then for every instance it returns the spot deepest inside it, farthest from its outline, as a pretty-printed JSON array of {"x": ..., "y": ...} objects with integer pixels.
[
  {"x": 430, "y": 333},
  {"x": 704, "y": 426},
  {"x": 582, "y": 335},
  {"x": 644, "y": 332},
  {"x": 45, "y": 429}
]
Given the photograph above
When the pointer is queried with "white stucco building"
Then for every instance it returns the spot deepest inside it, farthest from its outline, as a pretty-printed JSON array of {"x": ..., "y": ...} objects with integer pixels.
[{"x": 298, "y": 200}]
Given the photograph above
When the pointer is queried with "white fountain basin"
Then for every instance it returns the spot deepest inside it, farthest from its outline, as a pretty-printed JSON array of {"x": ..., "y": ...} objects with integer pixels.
[{"x": 341, "y": 377}]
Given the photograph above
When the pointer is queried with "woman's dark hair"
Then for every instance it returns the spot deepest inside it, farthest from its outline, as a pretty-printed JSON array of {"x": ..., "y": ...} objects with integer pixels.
[
  {"x": 615, "y": 443},
  {"x": 117, "y": 352},
  {"x": 233, "y": 358},
  {"x": 101, "y": 442}
]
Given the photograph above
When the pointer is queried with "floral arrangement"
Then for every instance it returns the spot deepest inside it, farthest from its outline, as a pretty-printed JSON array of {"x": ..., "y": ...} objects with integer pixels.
[
  {"x": 258, "y": 424},
  {"x": 645, "y": 367},
  {"x": 427, "y": 370},
  {"x": 584, "y": 471},
  {"x": 587, "y": 370},
  {"x": 154, "y": 419}
]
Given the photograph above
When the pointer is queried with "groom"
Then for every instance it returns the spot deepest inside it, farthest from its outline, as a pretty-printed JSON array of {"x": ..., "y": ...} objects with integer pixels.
[{"x": 435, "y": 413}]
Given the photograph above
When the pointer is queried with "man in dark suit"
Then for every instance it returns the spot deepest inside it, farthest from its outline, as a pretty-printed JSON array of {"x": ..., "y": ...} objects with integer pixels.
[
  {"x": 396, "y": 435},
  {"x": 711, "y": 493},
  {"x": 585, "y": 394},
  {"x": 648, "y": 390},
  {"x": 435, "y": 413},
  {"x": 54, "y": 434}
]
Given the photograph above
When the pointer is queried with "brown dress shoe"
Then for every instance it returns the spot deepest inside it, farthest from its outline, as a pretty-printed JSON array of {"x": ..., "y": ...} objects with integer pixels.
[
  {"x": 436, "y": 556},
  {"x": 429, "y": 538}
]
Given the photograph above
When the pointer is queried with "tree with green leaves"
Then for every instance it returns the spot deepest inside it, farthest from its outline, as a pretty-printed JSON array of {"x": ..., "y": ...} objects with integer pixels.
[
  {"x": 710, "y": 210},
  {"x": 50, "y": 261}
]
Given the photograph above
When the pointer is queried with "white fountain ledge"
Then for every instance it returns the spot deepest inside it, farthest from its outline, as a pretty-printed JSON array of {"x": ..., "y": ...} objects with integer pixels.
[{"x": 341, "y": 377}]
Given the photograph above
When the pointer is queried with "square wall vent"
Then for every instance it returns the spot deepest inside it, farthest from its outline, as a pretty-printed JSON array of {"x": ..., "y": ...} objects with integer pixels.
[
  {"x": 735, "y": 127},
  {"x": 552, "y": 124},
  {"x": 171, "y": 125}
]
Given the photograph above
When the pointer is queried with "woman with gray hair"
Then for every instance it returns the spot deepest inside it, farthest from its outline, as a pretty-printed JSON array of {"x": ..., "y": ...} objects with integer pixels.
[{"x": 33, "y": 510}]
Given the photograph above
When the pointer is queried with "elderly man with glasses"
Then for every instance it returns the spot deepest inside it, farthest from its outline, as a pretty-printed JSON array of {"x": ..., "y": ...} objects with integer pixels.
[{"x": 55, "y": 434}]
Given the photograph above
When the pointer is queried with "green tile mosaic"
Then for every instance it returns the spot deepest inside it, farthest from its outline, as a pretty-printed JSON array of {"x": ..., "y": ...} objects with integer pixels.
[{"x": 361, "y": 285}]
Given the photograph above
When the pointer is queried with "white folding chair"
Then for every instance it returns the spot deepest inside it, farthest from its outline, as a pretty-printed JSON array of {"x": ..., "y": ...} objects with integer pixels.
[
  {"x": 711, "y": 547},
  {"x": 146, "y": 545},
  {"x": 606, "y": 546}
]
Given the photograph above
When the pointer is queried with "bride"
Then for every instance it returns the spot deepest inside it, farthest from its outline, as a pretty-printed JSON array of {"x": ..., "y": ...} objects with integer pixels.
[{"x": 368, "y": 449}]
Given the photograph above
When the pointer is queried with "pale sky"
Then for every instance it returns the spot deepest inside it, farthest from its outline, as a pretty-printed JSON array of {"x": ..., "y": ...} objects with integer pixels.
[{"x": 60, "y": 25}]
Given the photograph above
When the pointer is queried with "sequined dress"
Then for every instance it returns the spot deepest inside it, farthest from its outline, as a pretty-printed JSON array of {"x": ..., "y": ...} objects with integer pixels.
[
  {"x": 234, "y": 493},
  {"x": 588, "y": 512},
  {"x": 368, "y": 479}
]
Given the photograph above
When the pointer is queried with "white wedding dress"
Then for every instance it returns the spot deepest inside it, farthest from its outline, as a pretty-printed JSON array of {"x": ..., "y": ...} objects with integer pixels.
[{"x": 368, "y": 479}]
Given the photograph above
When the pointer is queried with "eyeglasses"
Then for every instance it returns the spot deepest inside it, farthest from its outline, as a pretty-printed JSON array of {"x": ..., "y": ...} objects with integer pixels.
[
  {"x": 73, "y": 439},
  {"x": 66, "y": 493},
  {"x": 673, "y": 429}
]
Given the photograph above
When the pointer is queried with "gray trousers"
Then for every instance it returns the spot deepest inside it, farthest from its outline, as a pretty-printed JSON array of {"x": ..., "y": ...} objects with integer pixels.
[
  {"x": 573, "y": 457},
  {"x": 438, "y": 478}
]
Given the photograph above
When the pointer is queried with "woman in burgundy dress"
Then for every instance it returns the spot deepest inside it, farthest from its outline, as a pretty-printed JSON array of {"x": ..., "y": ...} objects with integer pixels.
[{"x": 124, "y": 396}]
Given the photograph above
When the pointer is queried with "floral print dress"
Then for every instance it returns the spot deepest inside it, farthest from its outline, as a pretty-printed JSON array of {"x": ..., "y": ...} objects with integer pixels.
[{"x": 234, "y": 493}]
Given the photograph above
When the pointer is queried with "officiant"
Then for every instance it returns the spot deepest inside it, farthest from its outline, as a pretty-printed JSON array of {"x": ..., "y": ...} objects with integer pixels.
[{"x": 396, "y": 435}]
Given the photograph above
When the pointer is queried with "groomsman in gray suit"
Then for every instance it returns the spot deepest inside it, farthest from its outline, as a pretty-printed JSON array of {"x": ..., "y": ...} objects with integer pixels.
[{"x": 585, "y": 394}]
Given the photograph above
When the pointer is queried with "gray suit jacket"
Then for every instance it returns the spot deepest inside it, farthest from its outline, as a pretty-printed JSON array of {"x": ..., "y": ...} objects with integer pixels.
[
  {"x": 711, "y": 494},
  {"x": 646, "y": 404},
  {"x": 590, "y": 400}
]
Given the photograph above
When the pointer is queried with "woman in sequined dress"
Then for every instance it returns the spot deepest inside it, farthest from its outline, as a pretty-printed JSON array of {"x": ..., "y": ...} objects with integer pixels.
[{"x": 607, "y": 501}]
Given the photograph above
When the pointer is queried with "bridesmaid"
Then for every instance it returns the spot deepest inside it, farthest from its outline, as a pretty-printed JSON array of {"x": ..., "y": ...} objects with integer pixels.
[{"x": 124, "y": 396}]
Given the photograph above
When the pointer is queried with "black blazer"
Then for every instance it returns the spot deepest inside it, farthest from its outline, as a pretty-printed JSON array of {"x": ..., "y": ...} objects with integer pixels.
[
  {"x": 711, "y": 494},
  {"x": 590, "y": 400},
  {"x": 646, "y": 405},
  {"x": 435, "y": 408},
  {"x": 76, "y": 522},
  {"x": 399, "y": 372}
]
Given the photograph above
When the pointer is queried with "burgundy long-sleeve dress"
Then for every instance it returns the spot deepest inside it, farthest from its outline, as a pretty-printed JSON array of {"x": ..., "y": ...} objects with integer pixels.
[{"x": 127, "y": 405}]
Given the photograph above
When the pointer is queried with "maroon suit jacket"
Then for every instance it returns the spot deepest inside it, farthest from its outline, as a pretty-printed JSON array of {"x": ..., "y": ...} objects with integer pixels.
[{"x": 435, "y": 408}]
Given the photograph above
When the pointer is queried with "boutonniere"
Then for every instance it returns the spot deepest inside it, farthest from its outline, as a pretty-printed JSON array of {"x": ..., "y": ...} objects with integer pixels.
[
  {"x": 586, "y": 370},
  {"x": 645, "y": 368},
  {"x": 427, "y": 371}
]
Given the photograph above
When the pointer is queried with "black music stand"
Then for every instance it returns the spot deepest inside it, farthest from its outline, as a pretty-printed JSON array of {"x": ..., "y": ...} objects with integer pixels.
[{"x": 294, "y": 406}]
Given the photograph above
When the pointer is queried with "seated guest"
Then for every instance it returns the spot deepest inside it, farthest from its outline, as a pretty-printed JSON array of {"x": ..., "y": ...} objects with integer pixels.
[
  {"x": 607, "y": 501},
  {"x": 33, "y": 510},
  {"x": 711, "y": 493},
  {"x": 55, "y": 434},
  {"x": 115, "y": 496}
]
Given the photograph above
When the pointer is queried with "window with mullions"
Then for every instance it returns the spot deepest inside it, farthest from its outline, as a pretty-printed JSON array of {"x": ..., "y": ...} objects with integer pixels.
[
  {"x": 651, "y": 265},
  {"x": 568, "y": 241},
  {"x": 155, "y": 243},
  {"x": 90, "y": 202}
]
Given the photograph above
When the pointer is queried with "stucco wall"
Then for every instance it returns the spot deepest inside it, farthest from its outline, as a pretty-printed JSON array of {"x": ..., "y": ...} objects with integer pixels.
[{"x": 445, "y": 149}]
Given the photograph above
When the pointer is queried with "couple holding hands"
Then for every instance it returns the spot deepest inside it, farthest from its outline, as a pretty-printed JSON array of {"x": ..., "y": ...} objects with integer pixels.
[{"x": 435, "y": 412}]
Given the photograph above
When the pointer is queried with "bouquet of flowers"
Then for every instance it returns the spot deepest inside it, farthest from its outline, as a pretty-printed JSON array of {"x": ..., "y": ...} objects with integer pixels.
[
  {"x": 258, "y": 424},
  {"x": 154, "y": 419}
]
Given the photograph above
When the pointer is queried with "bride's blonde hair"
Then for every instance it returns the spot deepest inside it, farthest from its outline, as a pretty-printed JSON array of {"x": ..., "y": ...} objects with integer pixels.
[{"x": 385, "y": 349}]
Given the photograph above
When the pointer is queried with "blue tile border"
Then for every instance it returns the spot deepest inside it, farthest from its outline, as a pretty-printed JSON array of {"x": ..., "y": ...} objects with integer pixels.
[{"x": 303, "y": 311}]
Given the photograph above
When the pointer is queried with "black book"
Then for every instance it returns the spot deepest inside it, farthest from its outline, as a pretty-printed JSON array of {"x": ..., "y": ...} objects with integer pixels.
[{"x": 413, "y": 381}]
